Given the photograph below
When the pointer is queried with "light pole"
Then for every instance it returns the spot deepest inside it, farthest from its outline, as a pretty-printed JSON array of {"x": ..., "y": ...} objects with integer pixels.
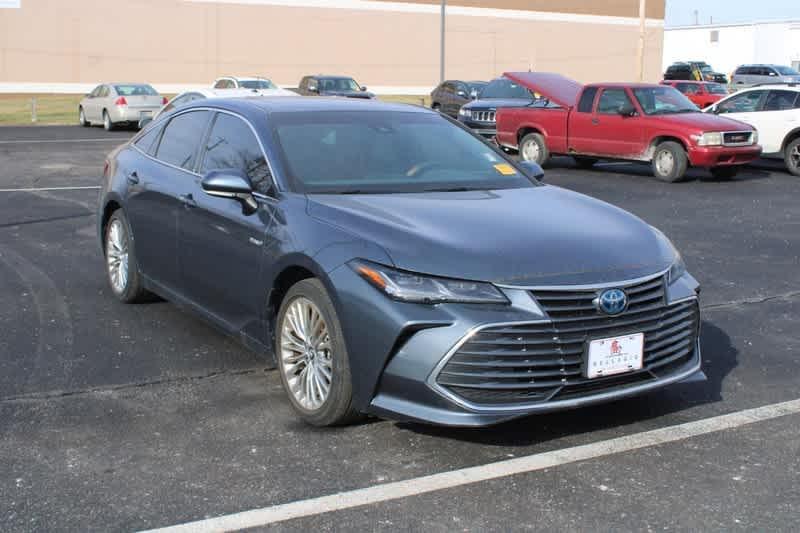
[
  {"x": 642, "y": 30},
  {"x": 442, "y": 38}
]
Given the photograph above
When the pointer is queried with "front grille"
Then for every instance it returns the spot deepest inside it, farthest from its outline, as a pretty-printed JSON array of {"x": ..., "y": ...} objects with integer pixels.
[
  {"x": 484, "y": 116},
  {"x": 541, "y": 362},
  {"x": 737, "y": 138}
]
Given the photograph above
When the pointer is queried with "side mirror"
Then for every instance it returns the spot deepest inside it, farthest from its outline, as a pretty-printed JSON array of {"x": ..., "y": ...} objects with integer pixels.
[
  {"x": 313, "y": 89},
  {"x": 230, "y": 183},
  {"x": 461, "y": 94},
  {"x": 474, "y": 94},
  {"x": 532, "y": 170},
  {"x": 364, "y": 88},
  {"x": 627, "y": 111}
]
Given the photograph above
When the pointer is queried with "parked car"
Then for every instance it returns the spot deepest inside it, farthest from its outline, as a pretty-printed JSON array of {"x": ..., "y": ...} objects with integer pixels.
[
  {"x": 187, "y": 97},
  {"x": 115, "y": 104},
  {"x": 261, "y": 85},
  {"x": 450, "y": 95},
  {"x": 634, "y": 122},
  {"x": 694, "y": 70},
  {"x": 332, "y": 86},
  {"x": 393, "y": 263},
  {"x": 773, "y": 110},
  {"x": 700, "y": 93},
  {"x": 749, "y": 75},
  {"x": 480, "y": 115}
]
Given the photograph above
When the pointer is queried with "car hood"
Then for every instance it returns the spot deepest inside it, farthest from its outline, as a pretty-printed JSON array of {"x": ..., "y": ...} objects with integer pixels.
[
  {"x": 349, "y": 94},
  {"x": 496, "y": 103},
  {"x": 705, "y": 121},
  {"x": 541, "y": 235}
]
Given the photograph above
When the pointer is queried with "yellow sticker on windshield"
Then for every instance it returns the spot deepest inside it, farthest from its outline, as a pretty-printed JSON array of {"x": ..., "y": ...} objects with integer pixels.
[{"x": 505, "y": 169}]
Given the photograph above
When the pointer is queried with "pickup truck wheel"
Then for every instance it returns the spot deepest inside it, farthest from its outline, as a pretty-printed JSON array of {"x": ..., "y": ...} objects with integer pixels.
[
  {"x": 792, "y": 157},
  {"x": 584, "y": 162},
  {"x": 670, "y": 162},
  {"x": 533, "y": 148},
  {"x": 724, "y": 173}
]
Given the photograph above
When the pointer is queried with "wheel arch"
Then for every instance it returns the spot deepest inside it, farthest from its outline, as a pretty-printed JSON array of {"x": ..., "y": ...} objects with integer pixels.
[
  {"x": 111, "y": 206},
  {"x": 791, "y": 136},
  {"x": 658, "y": 139}
]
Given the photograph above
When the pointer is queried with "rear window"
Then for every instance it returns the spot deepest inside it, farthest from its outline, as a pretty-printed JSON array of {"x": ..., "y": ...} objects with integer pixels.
[
  {"x": 716, "y": 88},
  {"x": 587, "y": 100},
  {"x": 257, "y": 84},
  {"x": 135, "y": 90},
  {"x": 505, "y": 88}
]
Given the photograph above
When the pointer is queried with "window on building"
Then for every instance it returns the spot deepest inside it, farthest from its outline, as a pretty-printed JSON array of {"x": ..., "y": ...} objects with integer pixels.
[{"x": 714, "y": 36}]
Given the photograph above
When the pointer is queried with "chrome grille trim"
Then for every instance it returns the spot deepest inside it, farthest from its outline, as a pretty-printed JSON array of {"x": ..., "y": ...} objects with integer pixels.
[
  {"x": 484, "y": 116},
  {"x": 748, "y": 142}
]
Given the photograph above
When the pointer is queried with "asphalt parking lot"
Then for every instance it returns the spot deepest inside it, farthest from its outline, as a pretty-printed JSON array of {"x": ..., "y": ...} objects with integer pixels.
[{"x": 117, "y": 417}]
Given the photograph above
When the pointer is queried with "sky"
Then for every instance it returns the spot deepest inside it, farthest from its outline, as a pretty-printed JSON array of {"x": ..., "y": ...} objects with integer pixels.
[{"x": 681, "y": 12}]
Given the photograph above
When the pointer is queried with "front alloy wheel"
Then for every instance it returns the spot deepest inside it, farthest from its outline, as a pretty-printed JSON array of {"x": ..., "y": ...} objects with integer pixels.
[{"x": 312, "y": 357}]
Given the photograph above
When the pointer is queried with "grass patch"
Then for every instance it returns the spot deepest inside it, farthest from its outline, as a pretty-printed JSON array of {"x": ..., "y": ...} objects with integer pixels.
[{"x": 51, "y": 109}]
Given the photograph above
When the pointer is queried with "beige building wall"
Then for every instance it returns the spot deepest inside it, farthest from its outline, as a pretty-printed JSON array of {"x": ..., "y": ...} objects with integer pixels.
[{"x": 195, "y": 41}]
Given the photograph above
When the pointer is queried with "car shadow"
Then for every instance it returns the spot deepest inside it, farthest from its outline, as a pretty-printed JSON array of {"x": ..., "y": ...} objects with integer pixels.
[
  {"x": 720, "y": 357},
  {"x": 751, "y": 172}
]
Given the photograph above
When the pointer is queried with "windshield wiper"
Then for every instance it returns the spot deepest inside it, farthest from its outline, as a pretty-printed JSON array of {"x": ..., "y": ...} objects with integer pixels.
[{"x": 450, "y": 189}]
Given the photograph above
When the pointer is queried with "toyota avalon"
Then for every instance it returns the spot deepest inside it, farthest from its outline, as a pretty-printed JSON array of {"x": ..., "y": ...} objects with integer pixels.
[{"x": 392, "y": 263}]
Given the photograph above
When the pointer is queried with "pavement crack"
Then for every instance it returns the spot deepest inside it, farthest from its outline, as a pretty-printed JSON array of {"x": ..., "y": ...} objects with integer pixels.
[
  {"x": 750, "y": 301},
  {"x": 57, "y": 394}
]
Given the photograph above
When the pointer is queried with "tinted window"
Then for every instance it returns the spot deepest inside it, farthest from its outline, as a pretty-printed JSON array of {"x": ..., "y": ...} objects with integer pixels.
[
  {"x": 687, "y": 88},
  {"x": 135, "y": 90},
  {"x": 180, "y": 101},
  {"x": 780, "y": 100},
  {"x": 612, "y": 100},
  {"x": 220, "y": 84},
  {"x": 587, "y": 100},
  {"x": 257, "y": 84},
  {"x": 146, "y": 142},
  {"x": 505, "y": 88},
  {"x": 103, "y": 91},
  {"x": 389, "y": 151},
  {"x": 716, "y": 88},
  {"x": 741, "y": 103},
  {"x": 232, "y": 145},
  {"x": 178, "y": 145}
]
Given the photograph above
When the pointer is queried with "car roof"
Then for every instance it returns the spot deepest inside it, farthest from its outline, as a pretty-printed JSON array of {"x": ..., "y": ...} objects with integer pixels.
[
  {"x": 785, "y": 86},
  {"x": 330, "y": 77},
  {"x": 620, "y": 84},
  {"x": 256, "y": 104}
]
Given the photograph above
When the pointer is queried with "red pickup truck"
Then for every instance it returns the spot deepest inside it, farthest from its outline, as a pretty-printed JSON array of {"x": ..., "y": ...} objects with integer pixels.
[{"x": 633, "y": 122}]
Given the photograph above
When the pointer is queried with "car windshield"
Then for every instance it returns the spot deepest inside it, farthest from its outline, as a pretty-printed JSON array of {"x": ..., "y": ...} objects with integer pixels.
[
  {"x": 135, "y": 90},
  {"x": 716, "y": 88},
  {"x": 663, "y": 101},
  {"x": 505, "y": 88},
  {"x": 257, "y": 84},
  {"x": 787, "y": 71},
  {"x": 343, "y": 152},
  {"x": 476, "y": 86},
  {"x": 338, "y": 84},
  {"x": 705, "y": 68}
]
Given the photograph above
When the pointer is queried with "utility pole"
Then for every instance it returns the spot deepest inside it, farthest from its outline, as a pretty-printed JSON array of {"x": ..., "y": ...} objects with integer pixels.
[
  {"x": 642, "y": 35},
  {"x": 442, "y": 39}
]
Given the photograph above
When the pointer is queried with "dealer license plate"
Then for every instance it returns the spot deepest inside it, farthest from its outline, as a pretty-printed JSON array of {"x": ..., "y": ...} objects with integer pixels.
[{"x": 615, "y": 355}]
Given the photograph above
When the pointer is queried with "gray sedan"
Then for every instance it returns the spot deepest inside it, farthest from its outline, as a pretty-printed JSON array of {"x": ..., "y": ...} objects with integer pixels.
[{"x": 113, "y": 104}]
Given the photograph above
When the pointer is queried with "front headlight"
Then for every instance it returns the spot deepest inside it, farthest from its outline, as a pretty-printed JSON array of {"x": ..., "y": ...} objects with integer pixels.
[
  {"x": 755, "y": 137},
  {"x": 418, "y": 288},
  {"x": 466, "y": 113},
  {"x": 677, "y": 269},
  {"x": 713, "y": 138}
]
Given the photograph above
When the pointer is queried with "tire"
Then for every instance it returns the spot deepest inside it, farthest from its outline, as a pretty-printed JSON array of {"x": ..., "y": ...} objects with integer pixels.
[
  {"x": 670, "y": 162},
  {"x": 82, "y": 118},
  {"x": 296, "y": 351},
  {"x": 533, "y": 148},
  {"x": 107, "y": 124},
  {"x": 724, "y": 173},
  {"x": 122, "y": 269},
  {"x": 436, "y": 107},
  {"x": 584, "y": 162},
  {"x": 792, "y": 157}
]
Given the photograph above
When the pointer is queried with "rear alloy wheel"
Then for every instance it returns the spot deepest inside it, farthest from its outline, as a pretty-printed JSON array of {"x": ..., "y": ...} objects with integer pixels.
[
  {"x": 312, "y": 357},
  {"x": 121, "y": 265},
  {"x": 584, "y": 162},
  {"x": 724, "y": 173},
  {"x": 107, "y": 124},
  {"x": 670, "y": 162},
  {"x": 82, "y": 118},
  {"x": 533, "y": 148},
  {"x": 792, "y": 157}
]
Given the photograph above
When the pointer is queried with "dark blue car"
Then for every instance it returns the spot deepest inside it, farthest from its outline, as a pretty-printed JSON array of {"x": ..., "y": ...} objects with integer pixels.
[{"x": 393, "y": 263}]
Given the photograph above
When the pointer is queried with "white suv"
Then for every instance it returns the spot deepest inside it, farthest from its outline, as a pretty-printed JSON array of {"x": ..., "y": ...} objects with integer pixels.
[
  {"x": 262, "y": 86},
  {"x": 773, "y": 110}
]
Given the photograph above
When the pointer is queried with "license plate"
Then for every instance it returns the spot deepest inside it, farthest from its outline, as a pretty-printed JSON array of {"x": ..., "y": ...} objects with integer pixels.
[
  {"x": 143, "y": 114},
  {"x": 615, "y": 355}
]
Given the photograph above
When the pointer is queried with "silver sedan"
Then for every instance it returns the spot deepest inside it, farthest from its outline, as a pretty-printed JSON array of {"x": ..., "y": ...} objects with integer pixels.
[{"x": 113, "y": 104}]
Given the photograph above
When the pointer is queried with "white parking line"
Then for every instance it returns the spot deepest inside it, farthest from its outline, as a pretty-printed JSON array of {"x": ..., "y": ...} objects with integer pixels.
[
  {"x": 44, "y": 141},
  {"x": 465, "y": 476},
  {"x": 43, "y": 189}
]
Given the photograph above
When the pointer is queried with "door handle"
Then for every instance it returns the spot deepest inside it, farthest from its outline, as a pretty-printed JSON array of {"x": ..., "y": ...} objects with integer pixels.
[
  {"x": 187, "y": 200},
  {"x": 595, "y": 121},
  {"x": 133, "y": 178}
]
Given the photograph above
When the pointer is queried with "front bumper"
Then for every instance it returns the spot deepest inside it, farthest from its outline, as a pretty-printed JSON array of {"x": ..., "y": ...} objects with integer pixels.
[
  {"x": 716, "y": 156},
  {"x": 484, "y": 129},
  {"x": 398, "y": 352}
]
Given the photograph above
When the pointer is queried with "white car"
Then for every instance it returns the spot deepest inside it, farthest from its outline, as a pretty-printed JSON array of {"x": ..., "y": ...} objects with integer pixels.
[
  {"x": 116, "y": 104},
  {"x": 262, "y": 85},
  {"x": 773, "y": 110}
]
